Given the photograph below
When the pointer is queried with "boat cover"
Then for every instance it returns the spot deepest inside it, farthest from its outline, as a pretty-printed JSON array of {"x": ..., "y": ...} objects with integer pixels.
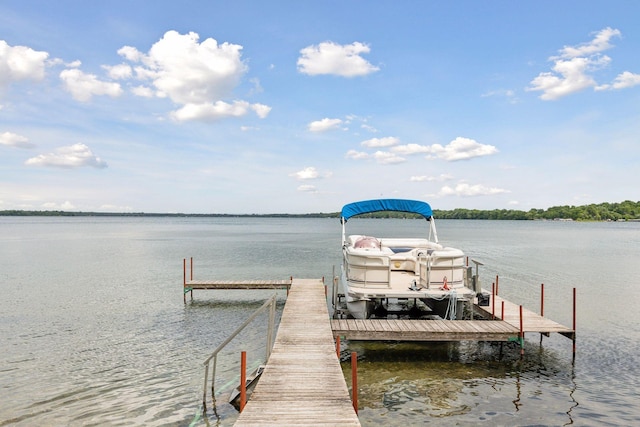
[{"x": 377, "y": 205}]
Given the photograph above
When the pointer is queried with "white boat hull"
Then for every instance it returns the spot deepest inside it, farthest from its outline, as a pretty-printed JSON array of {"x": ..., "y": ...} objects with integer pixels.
[{"x": 404, "y": 269}]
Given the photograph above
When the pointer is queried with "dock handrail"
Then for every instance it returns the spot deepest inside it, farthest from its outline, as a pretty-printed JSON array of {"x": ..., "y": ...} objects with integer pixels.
[{"x": 271, "y": 304}]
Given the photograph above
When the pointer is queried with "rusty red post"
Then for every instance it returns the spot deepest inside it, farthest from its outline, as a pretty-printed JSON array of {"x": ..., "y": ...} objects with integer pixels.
[
  {"x": 493, "y": 301},
  {"x": 191, "y": 278},
  {"x": 502, "y": 317},
  {"x": 521, "y": 333},
  {"x": 354, "y": 380},
  {"x": 574, "y": 322},
  {"x": 542, "y": 300},
  {"x": 338, "y": 346},
  {"x": 243, "y": 379}
]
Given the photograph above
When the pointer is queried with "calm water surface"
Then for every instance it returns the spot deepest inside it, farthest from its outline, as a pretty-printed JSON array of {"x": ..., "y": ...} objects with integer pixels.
[{"x": 93, "y": 329}]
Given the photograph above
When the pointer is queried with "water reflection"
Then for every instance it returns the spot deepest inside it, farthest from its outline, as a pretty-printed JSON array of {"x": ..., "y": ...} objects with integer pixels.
[{"x": 462, "y": 382}]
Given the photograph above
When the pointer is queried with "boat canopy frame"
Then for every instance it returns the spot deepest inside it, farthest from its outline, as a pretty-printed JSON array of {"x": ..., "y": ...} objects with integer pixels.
[{"x": 395, "y": 205}]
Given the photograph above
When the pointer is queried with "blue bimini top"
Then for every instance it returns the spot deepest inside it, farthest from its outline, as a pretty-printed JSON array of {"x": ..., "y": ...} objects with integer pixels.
[{"x": 377, "y": 205}]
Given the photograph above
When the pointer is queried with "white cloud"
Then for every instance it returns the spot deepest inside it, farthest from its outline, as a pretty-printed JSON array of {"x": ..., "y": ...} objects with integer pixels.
[
  {"x": 73, "y": 156},
  {"x": 368, "y": 128},
  {"x": 332, "y": 58},
  {"x": 20, "y": 63},
  {"x": 599, "y": 44},
  {"x": 14, "y": 140},
  {"x": 306, "y": 173},
  {"x": 622, "y": 81},
  {"x": 66, "y": 206},
  {"x": 84, "y": 86},
  {"x": 218, "y": 110},
  {"x": 187, "y": 71},
  {"x": 307, "y": 188},
  {"x": 386, "y": 158},
  {"x": 261, "y": 110},
  {"x": 143, "y": 91},
  {"x": 508, "y": 94},
  {"x": 119, "y": 72},
  {"x": 425, "y": 178},
  {"x": 380, "y": 142},
  {"x": 356, "y": 155},
  {"x": 462, "y": 149},
  {"x": 466, "y": 190},
  {"x": 325, "y": 125},
  {"x": 458, "y": 149},
  {"x": 409, "y": 149},
  {"x": 197, "y": 75},
  {"x": 573, "y": 68},
  {"x": 568, "y": 76},
  {"x": 310, "y": 173}
]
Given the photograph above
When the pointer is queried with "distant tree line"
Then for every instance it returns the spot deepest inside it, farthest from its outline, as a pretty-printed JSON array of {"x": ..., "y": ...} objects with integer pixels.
[{"x": 624, "y": 211}]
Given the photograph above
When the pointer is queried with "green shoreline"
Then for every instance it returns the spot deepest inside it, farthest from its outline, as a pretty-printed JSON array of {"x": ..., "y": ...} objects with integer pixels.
[{"x": 624, "y": 211}]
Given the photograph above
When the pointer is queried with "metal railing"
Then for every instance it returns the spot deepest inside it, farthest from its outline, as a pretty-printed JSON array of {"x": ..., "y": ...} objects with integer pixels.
[{"x": 271, "y": 304}]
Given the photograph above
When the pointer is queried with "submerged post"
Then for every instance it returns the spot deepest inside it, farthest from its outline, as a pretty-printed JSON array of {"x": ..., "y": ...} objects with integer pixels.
[
  {"x": 521, "y": 333},
  {"x": 184, "y": 279},
  {"x": 354, "y": 380},
  {"x": 574, "y": 322},
  {"x": 542, "y": 300},
  {"x": 497, "y": 284}
]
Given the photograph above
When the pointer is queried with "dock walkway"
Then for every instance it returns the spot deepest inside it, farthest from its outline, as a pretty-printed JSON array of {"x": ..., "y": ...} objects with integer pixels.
[
  {"x": 302, "y": 383},
  {"x": 424, "y": 330}
]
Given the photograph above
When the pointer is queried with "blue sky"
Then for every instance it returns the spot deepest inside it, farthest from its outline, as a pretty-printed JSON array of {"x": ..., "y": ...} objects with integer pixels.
[{"x": 299, "y": 107}]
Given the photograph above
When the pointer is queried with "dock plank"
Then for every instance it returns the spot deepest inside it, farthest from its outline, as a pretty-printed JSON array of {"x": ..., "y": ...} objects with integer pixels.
[
  {"x": 237, "y": 284},
  {"x": 302, "y": 383},
  {"x": 424, "y": 330}
]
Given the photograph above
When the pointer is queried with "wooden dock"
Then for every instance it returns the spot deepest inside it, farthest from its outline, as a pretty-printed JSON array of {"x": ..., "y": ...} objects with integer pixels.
[
  {"x": 531, "y": 322},
  {"x": 237, "y": 284},
  {"x": 302, "y": 383},
  {"x": 189, "y": 285},
  {"x": 424, "y": 330}
]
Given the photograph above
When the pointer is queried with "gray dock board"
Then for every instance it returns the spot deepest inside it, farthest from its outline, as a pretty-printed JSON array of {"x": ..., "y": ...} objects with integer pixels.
[
  {"x": 424, "y": 330},
  {"x": 302, "y": 383}
]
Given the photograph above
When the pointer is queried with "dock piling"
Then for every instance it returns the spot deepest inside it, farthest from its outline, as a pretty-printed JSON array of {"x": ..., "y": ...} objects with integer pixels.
[
  {"x": 493, "y": 301},
  {"x": 354, "y": 380},
  {"x": 243, "y": 380},
  {"x": 574, "y": 323},
  {"x": 521, "y": 333}
]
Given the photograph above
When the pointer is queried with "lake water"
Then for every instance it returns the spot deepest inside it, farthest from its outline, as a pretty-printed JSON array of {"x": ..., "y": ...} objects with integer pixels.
[{"x": 93, "y": 329}]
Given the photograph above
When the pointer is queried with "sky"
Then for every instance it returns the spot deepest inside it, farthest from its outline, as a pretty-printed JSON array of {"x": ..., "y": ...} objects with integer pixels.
[{"x": 258, "y": 107}]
